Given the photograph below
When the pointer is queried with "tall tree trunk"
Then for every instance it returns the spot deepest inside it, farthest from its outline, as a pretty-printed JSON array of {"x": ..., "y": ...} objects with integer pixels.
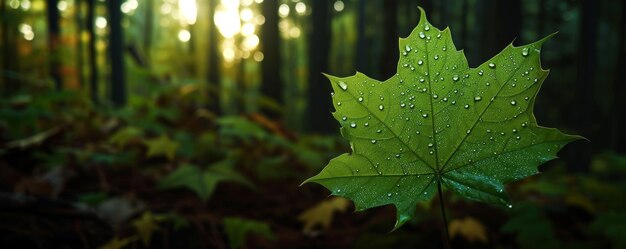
[
  {"x": 618, "y": 136},
  {"x": 93, "y": 66},
  {"x": 362, "y": 42},
  {"x": 271, "y": 85},
  {"x": 485, "y": 12},
  {"x": 408, "y": 15},
  {"x": 390, "y": 43},
  {"x": 443, "y": 15},
  {"x": 213, "y": 76},
  {"x": 475, "y": 26},
  {"x": 53, "y": 43},
  {"x": 464, "y": 25},
  {"x": 148, "y": 27},
  {"x": 5, "y": 63},
  {"x": 542, "y": 19},
  {"x": 116, "y": 53},
  {"x": 319, "y": 102},
  {"x": 582, "y": 108},
  {"x": 79, "y": 47}
]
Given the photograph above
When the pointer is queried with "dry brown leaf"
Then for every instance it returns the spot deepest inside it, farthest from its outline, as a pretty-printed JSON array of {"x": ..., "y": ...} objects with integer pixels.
[{"x": 469, "y": 228}]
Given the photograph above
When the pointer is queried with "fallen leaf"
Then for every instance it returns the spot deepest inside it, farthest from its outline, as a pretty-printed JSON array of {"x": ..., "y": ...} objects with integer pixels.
[
  {"x": 146, "y": 225},
  {"x": 469, "y": 228},
  {"x": 322, "y": 214},
  {"x": 118, "y": 243},
  {"x": 33, "y": 140}
]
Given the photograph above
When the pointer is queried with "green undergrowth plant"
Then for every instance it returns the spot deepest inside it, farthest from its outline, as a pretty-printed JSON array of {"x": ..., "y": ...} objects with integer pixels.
[
  {"x": 439, "y": 124},
  {"x": 162, "y": 150}
]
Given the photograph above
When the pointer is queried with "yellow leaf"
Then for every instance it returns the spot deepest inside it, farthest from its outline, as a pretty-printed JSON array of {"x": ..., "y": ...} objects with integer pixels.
[
  {"x": 581, "y": 201},
  {"x": 33, "y": 140},
  {"x": 322, "y": 213},
  {"x": 125, "y": 136},
  {"x": 162, "y": 146},
  {"x": 469, "y": 228},
  {"x": 146, "y": 226},
  {"x": 117, "y": 243}
]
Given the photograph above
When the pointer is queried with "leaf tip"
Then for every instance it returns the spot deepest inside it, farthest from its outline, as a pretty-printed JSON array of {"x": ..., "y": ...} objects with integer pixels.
[
  {"x": 306, "y": 181},
  {"x": 546, "y": 38},
  {"x": 400, "y": 220},
  {"x": 328, "y": 76},
  {"x": 578, "y": 137},
  {"x": 422, "y": 14}
]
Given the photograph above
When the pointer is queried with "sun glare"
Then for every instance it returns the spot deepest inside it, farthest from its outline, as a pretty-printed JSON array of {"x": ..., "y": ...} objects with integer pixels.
[{"x": 188, "y": 10}]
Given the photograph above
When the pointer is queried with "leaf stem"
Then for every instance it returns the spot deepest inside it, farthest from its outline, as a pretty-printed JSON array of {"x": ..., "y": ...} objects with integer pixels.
[{"x": 446, "y": 241}]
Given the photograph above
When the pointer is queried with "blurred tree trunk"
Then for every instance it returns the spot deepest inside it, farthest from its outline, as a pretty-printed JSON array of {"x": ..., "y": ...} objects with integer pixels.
[
  {"x": 474, "y": 28},
  {"x": 116, "y": 53},
  {"x": 93, "y": 67},
  {"x": 52, "y": 13},
  {"x": 319, "y": 102},
  {"x": 361, "y": 62},
  {"x": 8, "y": 59},
  {"x": 271, "y": 85},
  {"x": 214, "y": 62},
  {"x": 541, "y": 23},
  {"x": 582, "y": 108},
  {"x": 443, "y": 16},
  {"x": 484, "y": 19},
  {"x": 464, "y": 25},
  {"x": 390, "y": 43},
  {"x": 79, "y": 41},
  {"x": 408, "y": 15},
  {"x": 618, "y": 138},
  {"x": 148, "y": 29}
]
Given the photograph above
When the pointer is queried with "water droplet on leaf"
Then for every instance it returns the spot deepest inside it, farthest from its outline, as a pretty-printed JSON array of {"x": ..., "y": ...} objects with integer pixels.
[{"x": 343, "y": 85}]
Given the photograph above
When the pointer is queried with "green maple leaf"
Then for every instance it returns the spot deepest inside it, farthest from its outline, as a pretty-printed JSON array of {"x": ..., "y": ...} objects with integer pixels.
[
  {"x": 162, "y": 146},
  {"x": 237, "y": 230},
  {"x": 438, "y": 121},
  {"x": 203, "y": 181}
]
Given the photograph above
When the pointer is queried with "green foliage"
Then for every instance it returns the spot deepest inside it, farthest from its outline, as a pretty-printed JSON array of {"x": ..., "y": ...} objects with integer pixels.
[
  {"x": 146, "y": 226},
  {"x": 532, "y": 228},
  {"x": 241, "y": 128},
  {"x": 126, "y": 135},
  {"x": 612, "y": 225},
  {"x": 237, "y": 230},
  {"x": 29, "y": 113},
  {"x": 203, "y": 181},
  {"x": 162, "y": 146},
  {"x": 438, "y": 121}
]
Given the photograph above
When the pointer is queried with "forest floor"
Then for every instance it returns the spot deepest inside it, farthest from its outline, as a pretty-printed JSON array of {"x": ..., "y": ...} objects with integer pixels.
[{"x": 169, "y": 173}]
